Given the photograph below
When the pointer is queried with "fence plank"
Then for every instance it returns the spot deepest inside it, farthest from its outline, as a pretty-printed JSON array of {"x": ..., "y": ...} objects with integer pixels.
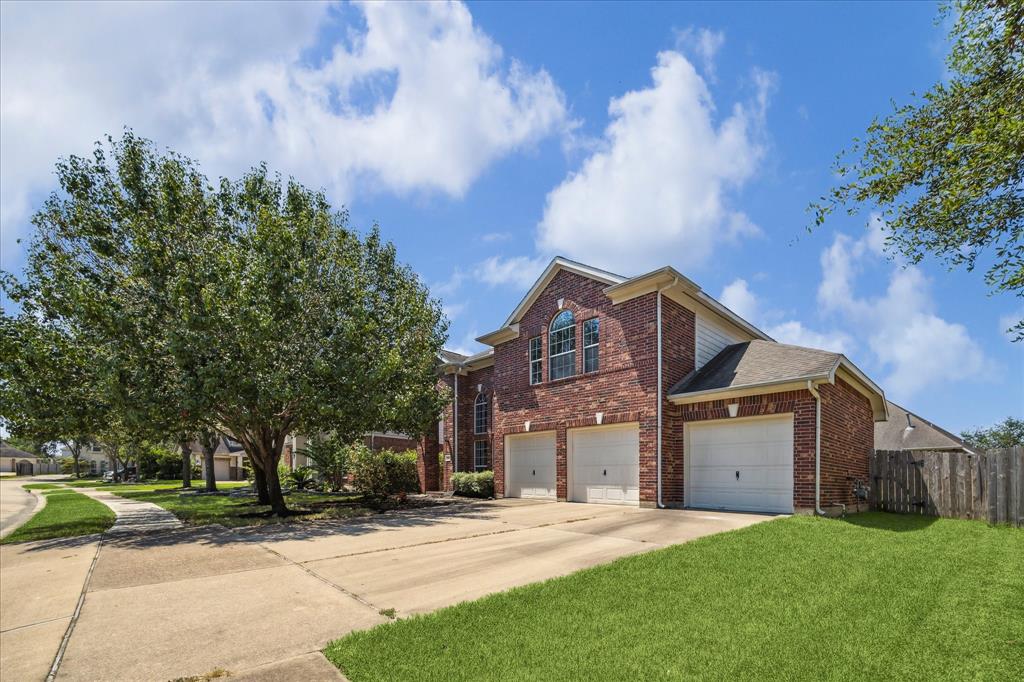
[{"x": 984, "y": 485}]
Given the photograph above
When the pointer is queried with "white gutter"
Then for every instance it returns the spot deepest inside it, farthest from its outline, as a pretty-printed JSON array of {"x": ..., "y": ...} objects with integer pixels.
[
  {"x": 812, "y": 388},
  {"x": 661, "y": 398}
]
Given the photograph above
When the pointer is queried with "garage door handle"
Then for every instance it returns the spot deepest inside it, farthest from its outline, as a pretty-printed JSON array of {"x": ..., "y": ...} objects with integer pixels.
[
  {"x": 605, "y": 472},
  {"x": 737, "y": 475},
  {"x": 534, "y": 473}
]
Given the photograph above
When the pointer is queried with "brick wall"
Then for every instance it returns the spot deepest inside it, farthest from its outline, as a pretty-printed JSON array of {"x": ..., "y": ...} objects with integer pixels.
[
  {"x": 677, "y": 356},
  {"x": 847, "y": 438},
  {"x": 623, "y": 388},
  {"x": 847, "y": 441},
  {"x": 800, "y": 403}
]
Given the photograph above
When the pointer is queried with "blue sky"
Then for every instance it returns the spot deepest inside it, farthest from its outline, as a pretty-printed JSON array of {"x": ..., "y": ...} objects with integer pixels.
[{"x": 485, "y": 138}]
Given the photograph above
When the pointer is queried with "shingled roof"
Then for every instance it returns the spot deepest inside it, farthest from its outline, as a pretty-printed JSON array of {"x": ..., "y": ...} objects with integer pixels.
[
  {"x": 758, "y": 362},
  {"x": 904, "y": 430}
]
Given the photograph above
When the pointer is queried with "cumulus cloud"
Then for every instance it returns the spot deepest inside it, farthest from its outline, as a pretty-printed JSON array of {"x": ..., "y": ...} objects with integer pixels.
[
  {"x": 738, "y": 297},
  {"x": 405, "y": 97},
  {"x": 908, "y": 339},
  {"x": 658, "y": 189},
  {"x": 704, "y": 43}
]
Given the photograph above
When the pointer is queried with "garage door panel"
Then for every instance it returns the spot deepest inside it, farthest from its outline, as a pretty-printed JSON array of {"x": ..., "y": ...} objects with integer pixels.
[
  {"x": 530, "y": 465},
  {"x": 605, "y": 465},
  {"x": 760, "y": 450}
]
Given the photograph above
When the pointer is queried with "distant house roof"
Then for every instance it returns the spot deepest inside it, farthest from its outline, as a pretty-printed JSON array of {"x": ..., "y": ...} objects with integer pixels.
[
  {"x": 450, "y": 356},
  {"x": 756, "y": 366},
  {"x": 905, "y": 430},
  {"x": 11, "y": 451}
]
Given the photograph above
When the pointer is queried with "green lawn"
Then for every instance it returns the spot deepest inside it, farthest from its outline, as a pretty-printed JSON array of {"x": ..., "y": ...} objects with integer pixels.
[
  {"x": 66, "y": 514},
  {"x": 199, "y": 510},
  {"x": 147, "y": 485},
  {"x": 41, "y": 486},
  {"x": 877, "y": 596}
]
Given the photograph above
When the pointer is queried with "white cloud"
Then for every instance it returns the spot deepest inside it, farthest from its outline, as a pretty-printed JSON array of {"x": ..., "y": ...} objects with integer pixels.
[
  {"x": 795, "y": 333},
  {"x": 518, "y": 271},
  {"x": 703, "y": 42},
  {"x": 738, "y": 297},
  {"x": 491, "y": 237},
  {"x": 658, "y": 190},
  {"x": 914, "y": 346},
  {"x": 418, "y": 99}
]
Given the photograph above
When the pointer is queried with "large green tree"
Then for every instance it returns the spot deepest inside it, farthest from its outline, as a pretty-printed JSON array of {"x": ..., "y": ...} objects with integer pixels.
[
  {"x": 946, "y": 172},
  {"x": 251, "y": 307},
  {"x": 50, "y": 390}
]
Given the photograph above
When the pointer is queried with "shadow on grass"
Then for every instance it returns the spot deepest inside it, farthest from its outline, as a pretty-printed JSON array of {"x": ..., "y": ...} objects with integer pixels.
[{"x": 891, "y": 522}]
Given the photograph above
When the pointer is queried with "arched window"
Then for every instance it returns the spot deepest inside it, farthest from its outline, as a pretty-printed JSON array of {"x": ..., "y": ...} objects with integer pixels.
[
  {"x": 481, "y": 414},
  {"x": 562, "y": 346}
]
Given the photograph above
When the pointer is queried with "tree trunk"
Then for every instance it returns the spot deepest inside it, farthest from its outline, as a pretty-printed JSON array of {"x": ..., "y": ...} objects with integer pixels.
[
  {"x": 277, "y": 503},
  {"x": 211, "y": 475},
  {"x": 186, "y": 464},
  {"x": 259, "y": 481},
  {"x": 78, "y": 472}
]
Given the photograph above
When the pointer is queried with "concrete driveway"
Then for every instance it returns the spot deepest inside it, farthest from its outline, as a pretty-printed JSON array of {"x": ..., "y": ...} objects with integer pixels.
[{"x": 261, "y": 602}]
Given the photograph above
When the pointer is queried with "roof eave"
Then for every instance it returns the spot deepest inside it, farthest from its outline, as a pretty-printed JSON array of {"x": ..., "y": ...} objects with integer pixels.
[{"x": 797, "y": 382}]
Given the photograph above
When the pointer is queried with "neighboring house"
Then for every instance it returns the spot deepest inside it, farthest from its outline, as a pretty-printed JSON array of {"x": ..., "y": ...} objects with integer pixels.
[
  {"x": 904, "y": 430},
  {"x": 93, "y": 460},
  {"x": 15, "y": 461},
  {"x": 375, "y": 440},
  {"x": 647, "y": 391},
  {"x": 228, "y": 459}
]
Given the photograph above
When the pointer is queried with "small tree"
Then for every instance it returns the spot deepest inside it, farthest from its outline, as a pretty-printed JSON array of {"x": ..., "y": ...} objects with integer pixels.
[{"x": 947, "y": 172}]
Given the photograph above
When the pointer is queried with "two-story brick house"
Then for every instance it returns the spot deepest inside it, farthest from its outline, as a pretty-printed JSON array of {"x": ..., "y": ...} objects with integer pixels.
[{"x": 646, "y": 390}]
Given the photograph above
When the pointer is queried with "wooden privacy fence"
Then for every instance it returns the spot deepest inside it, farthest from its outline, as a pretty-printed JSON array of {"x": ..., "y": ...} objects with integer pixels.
[{"x": 986, "y": 485}]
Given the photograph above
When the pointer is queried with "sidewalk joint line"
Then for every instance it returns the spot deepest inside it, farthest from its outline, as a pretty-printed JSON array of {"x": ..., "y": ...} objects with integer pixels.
[{"x": 74, "y": 617}]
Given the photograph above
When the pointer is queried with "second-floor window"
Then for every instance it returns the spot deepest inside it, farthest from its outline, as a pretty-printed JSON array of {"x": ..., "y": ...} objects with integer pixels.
[
  {"x": 481, "y": 455},
  {"x": 481, "y": 414},
  {"x": 536, "y": 360},
  {"x": 590, "y": 345},
  {"x": 562, "y": 346}
]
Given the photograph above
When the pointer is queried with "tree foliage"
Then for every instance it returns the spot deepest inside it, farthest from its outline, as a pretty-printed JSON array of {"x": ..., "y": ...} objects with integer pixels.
[
  {"x": 946, "y": 173},
  {"x": 1006, "y": 434},
  {"x": 249, "y": 307}
]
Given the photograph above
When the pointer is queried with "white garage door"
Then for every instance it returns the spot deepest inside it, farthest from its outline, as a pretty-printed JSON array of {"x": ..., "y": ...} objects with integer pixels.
[
  {"x": 530, "y": 465},
  {"x": 604, "y": 464},
  {"x": 744, "y": 465}
]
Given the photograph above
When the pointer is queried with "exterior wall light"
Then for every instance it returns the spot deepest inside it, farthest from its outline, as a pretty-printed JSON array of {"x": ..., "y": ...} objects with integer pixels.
[
  {"x": 599, "y": 416},
  {"x": 734, "y": 409}
]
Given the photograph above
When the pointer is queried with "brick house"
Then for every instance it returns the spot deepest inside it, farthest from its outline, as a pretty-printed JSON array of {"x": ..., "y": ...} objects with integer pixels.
[{"x": 647, "y": 391}]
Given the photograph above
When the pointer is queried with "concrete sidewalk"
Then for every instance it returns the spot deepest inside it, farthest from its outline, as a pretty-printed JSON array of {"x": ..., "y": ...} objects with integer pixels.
[
  {"x": 134, "y": 516},
  {"x": 17, "y": 505}
]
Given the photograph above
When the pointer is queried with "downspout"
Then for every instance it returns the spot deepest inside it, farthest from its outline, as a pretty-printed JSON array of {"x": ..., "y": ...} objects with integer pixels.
[
  {"x": 661, "y": 398},
  {"x": 817, "y": 447},
  {"x": 455, "y": 425}
]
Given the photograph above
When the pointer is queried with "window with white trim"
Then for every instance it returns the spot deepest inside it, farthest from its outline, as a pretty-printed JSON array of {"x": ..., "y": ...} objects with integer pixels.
[
  {"x": 562, "y": 346},
  {"x": 536, "y": 360},
  {"x": 590, "y": 345},
  {"x": 481, "y": 455},
  {"x": 481, "y": 414}
]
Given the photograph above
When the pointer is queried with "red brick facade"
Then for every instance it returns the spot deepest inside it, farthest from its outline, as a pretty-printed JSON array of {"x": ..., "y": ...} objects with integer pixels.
[{"x": 624, "y": 389}]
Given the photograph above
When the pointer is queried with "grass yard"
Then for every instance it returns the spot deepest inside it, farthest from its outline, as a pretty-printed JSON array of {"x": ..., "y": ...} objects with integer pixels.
[
  {"x": 66, "y": 514},
  {"x": 42, "y": 486},
  {"x": 200, "y": 510},
  {"x": 876, "y": 596},
  {"x": 147, "y": 485}
]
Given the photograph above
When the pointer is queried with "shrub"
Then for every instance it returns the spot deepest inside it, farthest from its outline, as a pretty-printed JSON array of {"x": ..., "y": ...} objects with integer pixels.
[
  {"x": 480, "y": 484},
  {"x": 379, "y": 474},
  {"x": 302, "y": 477},
  {"x": 330, "y": 459}
]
